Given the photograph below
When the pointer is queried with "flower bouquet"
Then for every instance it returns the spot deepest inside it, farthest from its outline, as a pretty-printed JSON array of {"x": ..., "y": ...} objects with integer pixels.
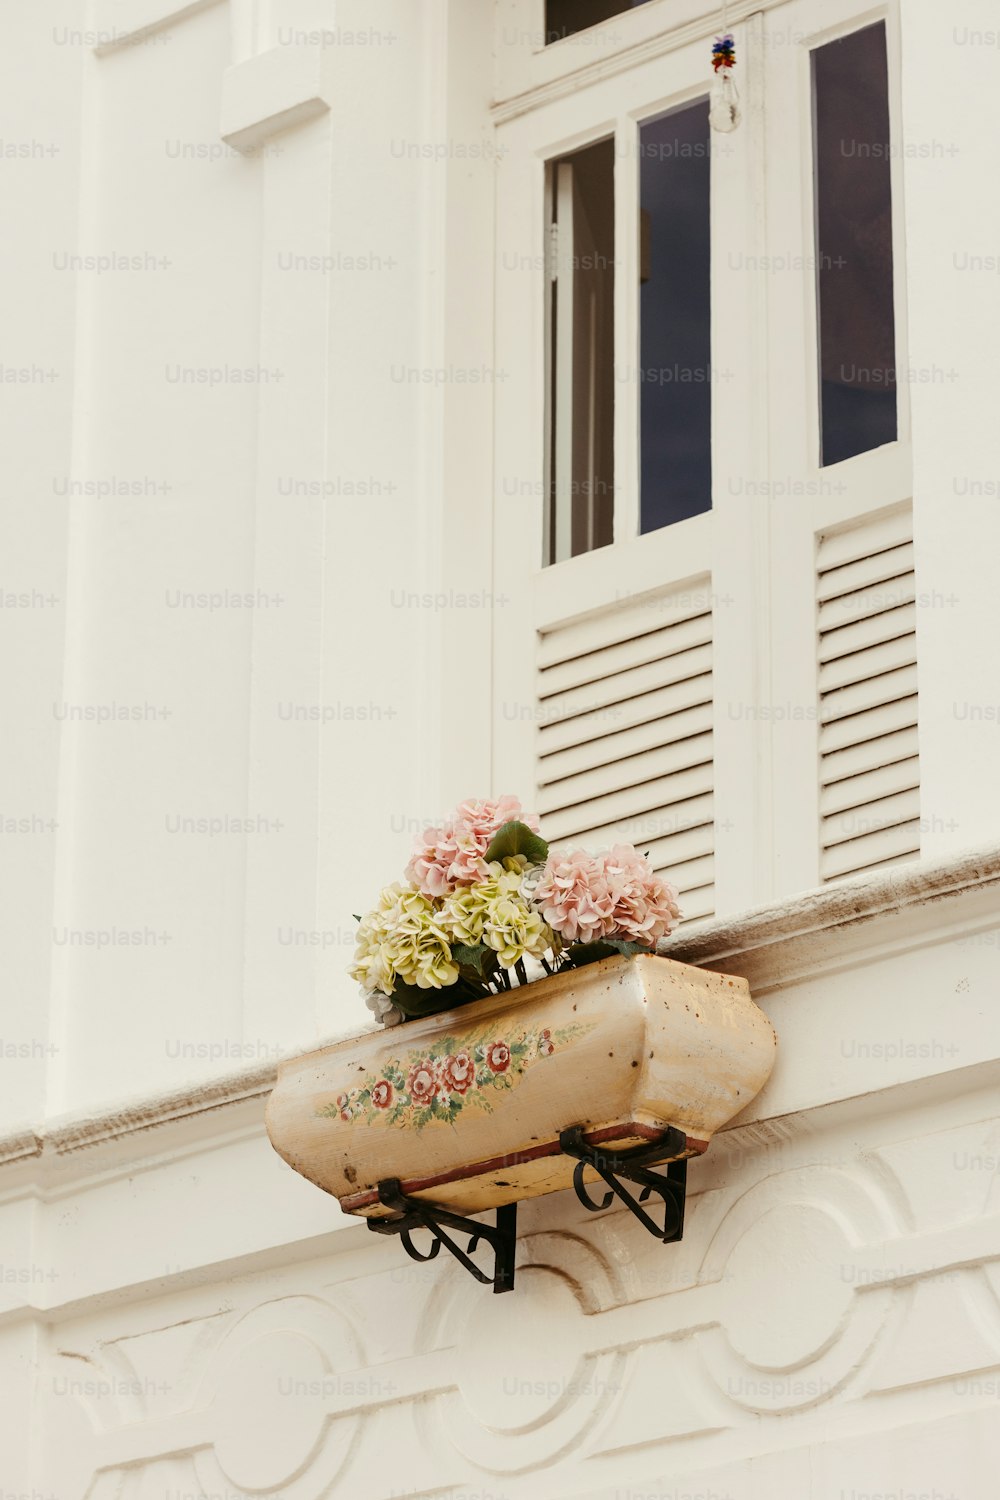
[
  {"x": 487, "y": 907},
  {"x": 468, "y": 1109}
]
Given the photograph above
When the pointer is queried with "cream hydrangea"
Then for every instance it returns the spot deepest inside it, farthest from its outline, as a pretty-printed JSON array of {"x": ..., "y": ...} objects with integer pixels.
[
  {"x": 514, "y": 928},
  {"x": 402, "y": 939},
  {"x": 464, "y": 914},
  {"x": 420, "y": 954},
  {"x": 370, "y": 966},
  {"x": 499, "y": 913}
]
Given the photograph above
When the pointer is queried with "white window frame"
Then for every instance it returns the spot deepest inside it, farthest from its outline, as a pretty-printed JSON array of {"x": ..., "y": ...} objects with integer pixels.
[
  {"x": 817, "y": 500},
  {"x": 758, "y": 552},
  {"x": 527, "y": 70}
]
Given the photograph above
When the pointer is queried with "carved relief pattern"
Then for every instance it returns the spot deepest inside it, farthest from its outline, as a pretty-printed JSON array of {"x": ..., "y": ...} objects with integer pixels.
[{"x": 799, "y": 1284}]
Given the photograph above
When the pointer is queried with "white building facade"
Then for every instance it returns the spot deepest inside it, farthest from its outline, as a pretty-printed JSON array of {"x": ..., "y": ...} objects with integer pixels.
[{"x": 330, "y": 428}]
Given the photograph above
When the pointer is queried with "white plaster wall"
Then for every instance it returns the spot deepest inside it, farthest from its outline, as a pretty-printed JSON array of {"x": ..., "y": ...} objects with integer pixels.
[
  {"x": 279, "y": 380},
  {"x": 39, "y": 213},
  {"x": 954, "y": 293},
  {"x": 830, "y": 1325}
]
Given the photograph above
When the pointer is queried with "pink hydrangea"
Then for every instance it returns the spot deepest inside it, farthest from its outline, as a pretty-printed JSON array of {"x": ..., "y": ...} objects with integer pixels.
[
  {"x": 452, "y": 856},
  {"x": 585, "y": 897},
  {"x": 574, "y": 897},
  {"x": 482, "y": 819},
  {"x": 444, "y": 858},
  {"x": 645, "y": 905}
]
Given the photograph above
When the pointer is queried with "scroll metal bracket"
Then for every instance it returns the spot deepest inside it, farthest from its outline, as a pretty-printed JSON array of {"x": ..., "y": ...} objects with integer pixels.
[
  {"x": 412, "y": 1213},
  {"x": 618, "y": 1167}
]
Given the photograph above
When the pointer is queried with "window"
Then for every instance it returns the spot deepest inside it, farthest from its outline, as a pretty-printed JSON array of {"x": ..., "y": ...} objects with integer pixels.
[
  {"x": 582, "y": 398},
  {"x": 853, "y": 204},
  {"x": 673, "y": 269},
  {"x": 689, "y": 504},
  {"x": 566, "y": 17},
  {"x": 675, "y": 317}
]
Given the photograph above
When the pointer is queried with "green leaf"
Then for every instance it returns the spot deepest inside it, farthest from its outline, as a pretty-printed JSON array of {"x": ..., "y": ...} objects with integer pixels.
[
  {"x": 355, "y": 916},
  {"x": 469, "y": 956},
  {"x": 413, "y": 1001},
  {"x": 517, "y": 838},
  {"x": 580, "y": 954}
]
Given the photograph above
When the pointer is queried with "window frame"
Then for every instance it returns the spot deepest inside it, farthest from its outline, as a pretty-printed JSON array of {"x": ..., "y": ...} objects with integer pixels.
[
  {"x": 818, "y": 500},
  {"x": 759, "y": 553},
  {"x": 677, "y": 555},
  {"x": 527, "y": 66}
]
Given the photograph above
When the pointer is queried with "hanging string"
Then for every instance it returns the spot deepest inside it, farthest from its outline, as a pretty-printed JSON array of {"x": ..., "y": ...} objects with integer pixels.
[{"x": 724, "y": 101}]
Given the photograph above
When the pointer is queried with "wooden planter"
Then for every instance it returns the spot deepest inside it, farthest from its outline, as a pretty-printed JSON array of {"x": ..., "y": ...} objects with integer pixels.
[{"x": 466, "y": 1107}]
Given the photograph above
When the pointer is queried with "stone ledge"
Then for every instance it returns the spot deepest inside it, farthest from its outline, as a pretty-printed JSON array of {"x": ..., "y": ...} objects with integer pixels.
[
  {"x": 768, "y": 945},
  {"x": 762, "y": 944}
]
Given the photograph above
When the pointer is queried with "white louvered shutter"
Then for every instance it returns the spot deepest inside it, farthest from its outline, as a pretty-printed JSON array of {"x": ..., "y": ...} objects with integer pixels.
[
  {"x": 625, "y": 737},
  {"x": 869, "y": 767}
]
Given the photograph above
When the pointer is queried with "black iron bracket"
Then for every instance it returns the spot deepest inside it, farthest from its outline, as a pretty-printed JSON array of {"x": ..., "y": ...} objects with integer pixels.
[
  {"x": 614, "y": 1167},
  {"x": 412, "y": 1213},
  {"x": 618, "y": 1167}
]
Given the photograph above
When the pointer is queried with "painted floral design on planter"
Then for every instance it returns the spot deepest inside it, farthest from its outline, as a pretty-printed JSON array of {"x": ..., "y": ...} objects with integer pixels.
[{"x": 455, "y": 1073}]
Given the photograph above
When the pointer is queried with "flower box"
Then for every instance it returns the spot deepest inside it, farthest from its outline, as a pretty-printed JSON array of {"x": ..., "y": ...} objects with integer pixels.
[{"x": 465, "y": 1107}]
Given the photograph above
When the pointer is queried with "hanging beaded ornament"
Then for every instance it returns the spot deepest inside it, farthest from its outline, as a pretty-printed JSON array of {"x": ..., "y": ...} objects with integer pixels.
[{"x": 724, "y": 101}]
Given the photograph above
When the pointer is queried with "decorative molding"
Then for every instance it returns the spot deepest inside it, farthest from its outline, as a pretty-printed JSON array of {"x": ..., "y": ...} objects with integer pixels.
[
  {"x": 19, "y": 1146},
  {"x": 707, "y": 23},
  {"x": 272, "y": 91},
  {"x": 124, "y": 23},
  {"x": 837, "y": 1267},
  {"x": 768, "y": 944},
  {"x": 263, "y": 93}
]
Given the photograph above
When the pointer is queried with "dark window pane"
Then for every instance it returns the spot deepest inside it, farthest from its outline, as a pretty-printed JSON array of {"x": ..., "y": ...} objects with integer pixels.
[
  {"x": 564, "y": 17},
  {"x": 675, "y": 317},
  {"x": 581, "y": 354},
  {"x": 857, "y": 335}
]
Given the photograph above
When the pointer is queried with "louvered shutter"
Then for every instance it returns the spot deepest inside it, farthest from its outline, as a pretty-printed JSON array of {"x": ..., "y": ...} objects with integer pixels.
[
  {"x": 625, "y": 737},
  {"x": 869, "y": 766}
]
